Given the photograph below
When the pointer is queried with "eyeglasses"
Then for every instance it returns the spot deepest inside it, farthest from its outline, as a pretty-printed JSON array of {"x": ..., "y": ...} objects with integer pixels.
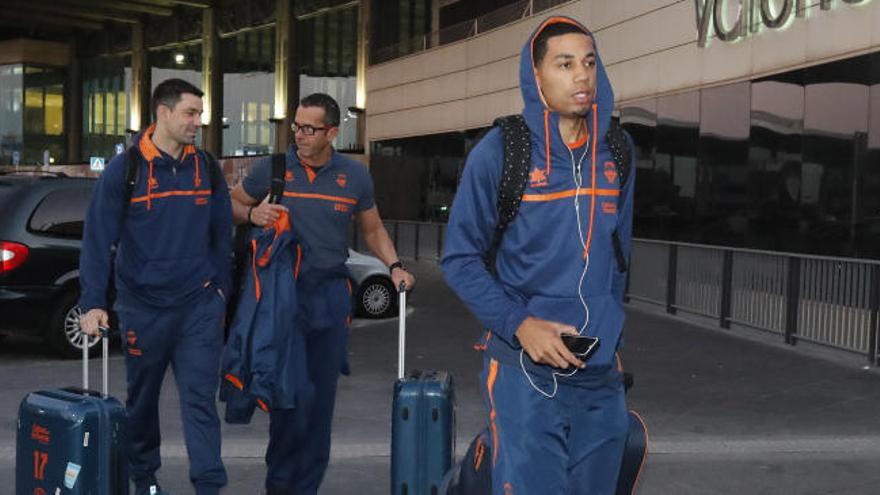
[{"x": 306, "y": 129}]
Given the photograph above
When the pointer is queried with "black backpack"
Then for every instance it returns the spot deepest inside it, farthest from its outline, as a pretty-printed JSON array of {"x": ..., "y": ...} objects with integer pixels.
[{"x": 515, "y": 176}]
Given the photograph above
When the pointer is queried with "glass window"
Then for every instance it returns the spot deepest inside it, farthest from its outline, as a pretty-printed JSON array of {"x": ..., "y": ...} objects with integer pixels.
[
  {"x": 33, "y": 110},
  {"x": 11, "y": 119},
  {"x": 62, "y": 212},
  {"x": 248, "y": 92},
  {"x": 678, "y": 119},
  {"x": 778, "y": 179},
  {"x": 652, "y": 210},
  {"x": 835, "y": 138},
  {"x": 106, "y": 104},
  {"x": 43, "y": 115},
  {"x": 721, "y": 203}
]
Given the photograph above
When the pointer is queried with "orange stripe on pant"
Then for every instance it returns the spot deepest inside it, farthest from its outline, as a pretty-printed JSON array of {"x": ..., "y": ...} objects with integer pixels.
[{"x": 490, "y": 384}]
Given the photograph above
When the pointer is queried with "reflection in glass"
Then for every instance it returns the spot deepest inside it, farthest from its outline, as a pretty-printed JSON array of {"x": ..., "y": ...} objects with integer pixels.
[
  {"x": 722, "y": 208},
  {"x": 835, "y": 145},
  {"x": 11, "y": 135},
  {"x": 248, "y": 92},
  {"x": 106, "y": 105},
  {"x": 678, "y": 118}
]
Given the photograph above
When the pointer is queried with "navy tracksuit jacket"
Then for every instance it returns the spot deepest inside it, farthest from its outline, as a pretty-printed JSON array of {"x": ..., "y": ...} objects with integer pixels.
[
  {"x": 557, "y": 263},
  {"x": 172, "y": 269}
]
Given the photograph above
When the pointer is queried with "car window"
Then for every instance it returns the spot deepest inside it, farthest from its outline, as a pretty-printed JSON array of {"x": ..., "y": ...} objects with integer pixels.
[{"x": 62, "y": 212}]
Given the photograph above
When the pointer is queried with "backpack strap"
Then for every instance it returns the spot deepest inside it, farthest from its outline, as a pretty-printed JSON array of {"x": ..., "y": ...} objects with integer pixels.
[
  {"x": 215, "y": 173},
  {"x": 131, "y": 172},
  {"x": 622, "y": 154},
  {"x": 514, "y": 176},
  {"x": 276, "y": 187}
]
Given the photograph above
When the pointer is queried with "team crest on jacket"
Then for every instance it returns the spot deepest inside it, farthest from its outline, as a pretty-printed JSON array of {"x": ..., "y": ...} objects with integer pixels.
[
  {"x": 537, "y": 178},
  {"x": 288, "y": 176},
  {"x": 341, "y": 180},
  {"x": 611, "y": 172}
]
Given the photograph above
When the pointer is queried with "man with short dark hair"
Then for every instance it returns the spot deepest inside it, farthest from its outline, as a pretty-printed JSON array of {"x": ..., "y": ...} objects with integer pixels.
[
  {"x": 323, "y": 192},
  {"x": 558, "y": 420},
  {"x": 172, "y": 234}
]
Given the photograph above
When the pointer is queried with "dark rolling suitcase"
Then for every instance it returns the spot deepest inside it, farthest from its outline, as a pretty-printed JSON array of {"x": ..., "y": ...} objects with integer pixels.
[
  {"x": 422, "y": 425},
  {"x": 72, "y": 441}
]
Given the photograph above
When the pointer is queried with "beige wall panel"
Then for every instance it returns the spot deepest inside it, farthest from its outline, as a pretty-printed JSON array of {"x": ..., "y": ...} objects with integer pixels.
[
  {"x": 666, "y": 28},
  {"x": 678, "y": 68},
  {"x": 775, "y": 48},
  {"x": 446, "y": 117},
  {"x": 606, "y": 12},
  {"x": 438, "y": 90},
  {"x": 723, "y": 61},
  {"x": 648, "y": 46},
  {"x": 476, "y": 111},
  {"x": 495, "y": 76},
  {"x": 844, "y": 28},
  {"x": 635, "y": 78},
  {"x": 875, "y": 28}
]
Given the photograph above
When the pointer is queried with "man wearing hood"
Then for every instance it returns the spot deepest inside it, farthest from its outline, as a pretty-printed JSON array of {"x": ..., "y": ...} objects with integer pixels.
[{"x": 558, "y": 423}]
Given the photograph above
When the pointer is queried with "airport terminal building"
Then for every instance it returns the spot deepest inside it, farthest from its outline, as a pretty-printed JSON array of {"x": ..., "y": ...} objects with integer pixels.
[{"x": 756, "y": 122}]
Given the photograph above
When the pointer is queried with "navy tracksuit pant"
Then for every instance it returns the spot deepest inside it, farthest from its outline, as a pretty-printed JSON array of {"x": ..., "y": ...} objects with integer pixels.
[
  {"x": 299, "y": 438},
  {"x": 190, "y": 339},
  {"x": 571, "y": 444}
]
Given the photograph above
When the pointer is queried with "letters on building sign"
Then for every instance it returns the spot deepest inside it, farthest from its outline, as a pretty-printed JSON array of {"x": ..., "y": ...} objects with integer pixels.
[{"x": 751, "y": 14}]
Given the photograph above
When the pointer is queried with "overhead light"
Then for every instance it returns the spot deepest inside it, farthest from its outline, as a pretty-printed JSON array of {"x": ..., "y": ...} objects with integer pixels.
[{"x": 179, "y": 58}]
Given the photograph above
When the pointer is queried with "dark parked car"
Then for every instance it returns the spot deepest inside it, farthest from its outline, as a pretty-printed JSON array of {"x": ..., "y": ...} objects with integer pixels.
[
  {"x": 41, "y": 232},
  {"x": 40, "y": 237}
]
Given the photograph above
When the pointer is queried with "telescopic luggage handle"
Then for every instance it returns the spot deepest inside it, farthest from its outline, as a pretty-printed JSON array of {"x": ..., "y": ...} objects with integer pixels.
[
  {"x": 104, "y": 336},
  {"x": 401, "y": 342}
]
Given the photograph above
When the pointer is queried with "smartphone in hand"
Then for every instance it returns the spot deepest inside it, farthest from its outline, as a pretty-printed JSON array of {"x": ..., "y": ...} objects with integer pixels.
[{"x": 580, "y": 345}]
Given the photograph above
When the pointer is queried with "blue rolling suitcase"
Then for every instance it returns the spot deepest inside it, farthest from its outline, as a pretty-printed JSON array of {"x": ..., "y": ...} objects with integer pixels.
[
  {"x": 72, "y": 441},
  {"x": 422, "y": 425}
]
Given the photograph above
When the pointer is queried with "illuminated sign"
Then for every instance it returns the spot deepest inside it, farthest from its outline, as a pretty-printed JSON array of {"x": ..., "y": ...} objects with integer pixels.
[{"x": 750, "y": 15}]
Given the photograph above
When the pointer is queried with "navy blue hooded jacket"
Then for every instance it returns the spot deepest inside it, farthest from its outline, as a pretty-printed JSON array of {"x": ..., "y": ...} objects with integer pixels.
[
  {"x": 264, "y": 363},
  {"x": 546, "y": 247},
  {"x": 173, "y": 238}
]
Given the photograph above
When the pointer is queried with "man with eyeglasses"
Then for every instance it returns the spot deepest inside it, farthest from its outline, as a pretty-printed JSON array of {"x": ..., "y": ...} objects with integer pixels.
[{"x": 323, "y": 192}]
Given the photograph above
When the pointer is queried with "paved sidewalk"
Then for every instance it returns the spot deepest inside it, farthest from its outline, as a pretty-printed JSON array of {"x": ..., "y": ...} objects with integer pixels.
[{"x": 727, "y": 415}]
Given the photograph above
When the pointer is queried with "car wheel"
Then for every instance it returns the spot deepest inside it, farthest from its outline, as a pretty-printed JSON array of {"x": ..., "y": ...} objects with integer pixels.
[
  {"x": 375, "y": 298},
  {"x": 63, "y": 334}
]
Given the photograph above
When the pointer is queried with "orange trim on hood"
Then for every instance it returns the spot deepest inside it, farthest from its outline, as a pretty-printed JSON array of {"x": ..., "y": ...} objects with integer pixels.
[
  {"x": 592, "y": 181},
  {"x": 549, "y": 21}
]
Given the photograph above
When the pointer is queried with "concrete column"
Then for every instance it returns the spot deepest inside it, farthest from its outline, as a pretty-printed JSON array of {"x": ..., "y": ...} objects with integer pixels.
[
  {"x": 140, "y": 81},
  {"x": 286, "y": 74},
  {"x": 212, "y": 84},
  {"x": 363, "y": 54},
  {"x": 73, "y": 107},
  {"x": 434, "y": 35}
]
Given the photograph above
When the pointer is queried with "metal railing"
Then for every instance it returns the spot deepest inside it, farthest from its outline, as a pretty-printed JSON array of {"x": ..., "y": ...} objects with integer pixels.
[
  {"x": 819, "y": 299},
  {"x": 456, "y": 32},
  {"x": 830, "y": 301}
]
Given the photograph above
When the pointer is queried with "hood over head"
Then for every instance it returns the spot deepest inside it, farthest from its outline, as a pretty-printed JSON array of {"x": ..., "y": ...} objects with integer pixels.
[{"x": 539, "y": 117}]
